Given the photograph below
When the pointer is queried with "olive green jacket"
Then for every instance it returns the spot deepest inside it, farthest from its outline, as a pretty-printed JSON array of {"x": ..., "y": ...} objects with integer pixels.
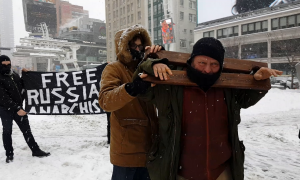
[{"x": 164, "y": 155}]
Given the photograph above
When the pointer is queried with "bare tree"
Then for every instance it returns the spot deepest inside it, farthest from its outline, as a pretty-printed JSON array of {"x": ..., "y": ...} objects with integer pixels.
[{"x": 287, "y": 44}]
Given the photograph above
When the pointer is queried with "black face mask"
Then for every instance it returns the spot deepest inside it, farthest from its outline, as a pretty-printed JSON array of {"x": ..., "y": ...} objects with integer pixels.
[
  {"x": 137, "y": 55},
  {"x": 5, "y": 69},
  {"x": 204, "y": 81}
]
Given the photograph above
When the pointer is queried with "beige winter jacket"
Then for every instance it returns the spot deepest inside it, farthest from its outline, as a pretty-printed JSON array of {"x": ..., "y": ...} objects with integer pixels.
[{"x": 133, "y": 122}]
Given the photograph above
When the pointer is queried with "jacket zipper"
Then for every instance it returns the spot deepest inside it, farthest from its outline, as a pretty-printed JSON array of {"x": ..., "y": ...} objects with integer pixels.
[{"x": 207, "y": 139}]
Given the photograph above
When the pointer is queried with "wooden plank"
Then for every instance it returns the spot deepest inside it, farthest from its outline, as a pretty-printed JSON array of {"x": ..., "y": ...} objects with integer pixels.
[
  {"x": 226, "y": 80},
  {"x": 230, "y": 64}
]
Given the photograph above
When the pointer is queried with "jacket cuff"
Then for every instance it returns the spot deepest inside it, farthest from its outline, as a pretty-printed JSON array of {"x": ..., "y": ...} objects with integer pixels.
[
  {"x": 254, "y": 70},
  {"x": 163, "y": 61}
]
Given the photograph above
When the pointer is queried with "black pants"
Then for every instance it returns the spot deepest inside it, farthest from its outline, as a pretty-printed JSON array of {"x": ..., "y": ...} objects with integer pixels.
[
  {"x": 130, "y": 173},
  {"x": 108, "y": 127},
  {"x": 7, "y": 118}
]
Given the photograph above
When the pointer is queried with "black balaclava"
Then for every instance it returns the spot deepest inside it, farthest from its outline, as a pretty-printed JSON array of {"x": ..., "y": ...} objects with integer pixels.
[
  {"x": 137, "y": 55},
  {"x": 212, "y": 48},
  {"x": 4, "y": 69}
]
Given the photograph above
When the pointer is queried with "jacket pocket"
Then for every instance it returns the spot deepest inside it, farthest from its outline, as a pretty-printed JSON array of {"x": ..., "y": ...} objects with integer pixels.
[{"x": 137, "y": 136}]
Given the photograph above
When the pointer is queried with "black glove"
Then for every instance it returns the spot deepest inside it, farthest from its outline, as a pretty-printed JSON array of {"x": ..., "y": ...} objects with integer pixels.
[{"x": 138, "y": 86}]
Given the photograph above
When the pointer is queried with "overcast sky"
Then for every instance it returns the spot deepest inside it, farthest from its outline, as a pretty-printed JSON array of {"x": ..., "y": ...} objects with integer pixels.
[{"x": 96, "y": 9}]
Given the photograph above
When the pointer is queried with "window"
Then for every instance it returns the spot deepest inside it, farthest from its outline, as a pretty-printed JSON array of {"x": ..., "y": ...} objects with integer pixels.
[
  {"x": 219, "y": 33},
  {"x": 124, "y": 10},
  {"x": 298, "y": 19},
  {"x": 227, "y": 32},
  {"x": 206, "y": 34},
  {"x": 253, "y": 51},
  {"x": 191, "y": 31},
  {"x": 212, "y": 34},
  {"x": 232, "y": 52},
  {"x": 235, "y": 31},
  {"x": 120, "y": 11},
  {"x": 128, "y": 19},
  {"x": 139, "y": 15},
  {"x": 194, "y": 5},
  {"x": 190, "y": 4},
  {"x": 131, "y": 6},
  {"x": 183, "y": 43},
  {"x": 282, "y": 48},
  {"x": 291, "y": 21},
  {"x": 155, "y": 22},
  {"x": 184, "y": 30},
  {"x": 265, "y": 26},
  {"x": 255, "y": 27},
  {"x": 155, "y": 9},
  {"x": 282, "y": 22},
  {"x": 244, "y": 29},
  {"x": 251, "y": 28},
  {"x": 181, "y": 2},
  {"x": 274, "y": 24},
  {"x": 131, "y": 18},
  {"x": 117, "y": 13},
  {"x": 128, "y": 8},
  {"x": 155, "y": 35},
  {"x": 181, "y": 15},
  {"x": 191, "y": 17},
  {"x": 258, "y": 26},
  {"x": 139, "y": 3}
]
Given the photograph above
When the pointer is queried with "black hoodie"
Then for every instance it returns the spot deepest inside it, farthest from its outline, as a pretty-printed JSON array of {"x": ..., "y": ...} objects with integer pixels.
[{"x": 10, "y": 88}]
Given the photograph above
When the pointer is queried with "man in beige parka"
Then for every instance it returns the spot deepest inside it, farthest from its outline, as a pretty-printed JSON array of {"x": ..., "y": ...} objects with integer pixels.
[{"x": 133, "y": 122}]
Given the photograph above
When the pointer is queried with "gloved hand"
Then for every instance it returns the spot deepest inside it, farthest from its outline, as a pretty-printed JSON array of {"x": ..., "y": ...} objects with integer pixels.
[{"x": 138, "y": 86}]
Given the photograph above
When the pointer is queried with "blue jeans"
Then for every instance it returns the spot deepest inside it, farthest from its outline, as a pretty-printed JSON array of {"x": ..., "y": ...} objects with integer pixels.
[
  {"x": 7, "y": 118},
  {"x": 130, "y": 173}
]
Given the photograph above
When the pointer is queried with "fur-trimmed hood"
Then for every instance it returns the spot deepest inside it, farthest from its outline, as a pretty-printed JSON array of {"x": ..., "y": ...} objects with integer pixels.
[{"x": 122, "y": 39}]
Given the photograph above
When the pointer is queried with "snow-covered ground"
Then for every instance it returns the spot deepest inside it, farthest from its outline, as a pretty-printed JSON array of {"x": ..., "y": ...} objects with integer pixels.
[{"x": 79, "y": 150}]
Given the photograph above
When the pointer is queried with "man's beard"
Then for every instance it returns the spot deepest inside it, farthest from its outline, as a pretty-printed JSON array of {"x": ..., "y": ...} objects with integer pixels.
[{"x": 204, "y": 81}]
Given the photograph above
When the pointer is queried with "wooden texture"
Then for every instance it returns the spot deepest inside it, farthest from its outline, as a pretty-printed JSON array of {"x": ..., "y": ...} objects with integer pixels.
[
  {"x": 230, "y": 64},
  {"x": 226, "y": 80}
]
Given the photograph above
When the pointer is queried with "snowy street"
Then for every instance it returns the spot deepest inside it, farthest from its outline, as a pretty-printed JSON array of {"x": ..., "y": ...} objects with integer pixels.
[{"x": 79, "y": 150}]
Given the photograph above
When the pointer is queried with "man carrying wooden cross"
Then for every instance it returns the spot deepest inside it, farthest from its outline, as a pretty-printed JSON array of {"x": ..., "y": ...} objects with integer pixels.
[{"x": 198, "y": 126}]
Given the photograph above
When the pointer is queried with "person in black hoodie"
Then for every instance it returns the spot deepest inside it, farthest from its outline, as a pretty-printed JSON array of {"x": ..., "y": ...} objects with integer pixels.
[{"x": 11, "y": 102}]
